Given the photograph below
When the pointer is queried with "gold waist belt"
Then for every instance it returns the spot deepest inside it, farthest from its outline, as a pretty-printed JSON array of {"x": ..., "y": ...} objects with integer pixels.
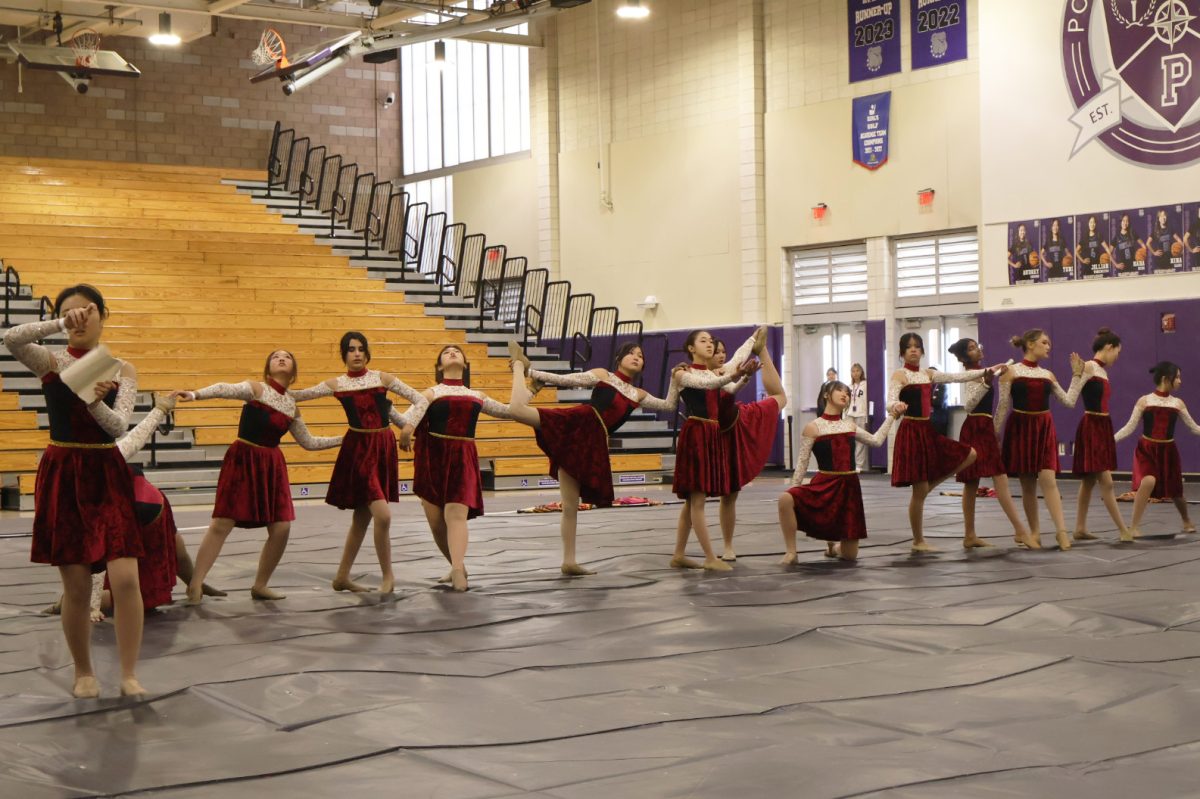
[
  {"x": 76, "y": 445},
  {"x": 988, "y": 415},
  {"x": 452, "y": 438},
  {"x": 1029, "y": 413},
  {"x": 260, "y": 446},
  {"x": 369, "y": 429},
  {"x": 1096, "y": 413},
  {"x": 836, "y": 474},
  {"x": 701, "y": 419},
  {"x": 1158, "y": 440}
]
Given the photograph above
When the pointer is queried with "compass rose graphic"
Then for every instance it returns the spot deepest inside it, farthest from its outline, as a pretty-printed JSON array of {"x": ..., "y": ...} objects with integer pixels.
[{"x": 1172, "y": 23}]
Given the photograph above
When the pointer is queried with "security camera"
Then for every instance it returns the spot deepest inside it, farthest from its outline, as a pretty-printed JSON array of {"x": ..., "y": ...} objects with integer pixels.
[
  {"x": 390, "y": 100},
  {"x": 81, "y": 86},
  {"x": 79, "y": 81}
]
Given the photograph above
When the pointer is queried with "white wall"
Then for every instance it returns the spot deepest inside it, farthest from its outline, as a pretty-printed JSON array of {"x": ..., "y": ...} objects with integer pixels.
[
  {"x": 1028, "y": 172},
  {"x": 500, "y": 201}
]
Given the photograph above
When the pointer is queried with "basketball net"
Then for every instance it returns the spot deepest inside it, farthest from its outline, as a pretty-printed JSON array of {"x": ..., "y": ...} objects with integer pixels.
[
  {"x": 270, "y": 49},
  {"x": 85, "y": 44}
]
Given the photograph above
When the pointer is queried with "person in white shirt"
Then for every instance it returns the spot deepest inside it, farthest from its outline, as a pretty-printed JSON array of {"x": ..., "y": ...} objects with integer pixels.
[{"x": 858, "y": 413}]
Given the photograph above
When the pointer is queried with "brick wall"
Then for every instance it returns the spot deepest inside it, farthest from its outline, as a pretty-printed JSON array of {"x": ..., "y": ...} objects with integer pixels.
[{"x": 194, "y": 104}]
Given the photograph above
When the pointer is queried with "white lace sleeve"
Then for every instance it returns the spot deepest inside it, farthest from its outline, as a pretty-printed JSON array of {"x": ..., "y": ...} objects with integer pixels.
[
  {"x": 307, "y": 440},
  {"x": 1069, "y": 397},
  {"x": 702, "y": 378},
  {"x": 739, "y": 355},
  {"x": 22, "y": 340},
  {"x": 572, "y": 380},
  {"x": 972, "y": 393},
  {"x": 1186, "y": 418},
  {"x": 733, "y": 388},
  {"x": 97, "y": 590},
  {"x": 1135, "y": 419},
  {"x": 400, "y": 388},
  {"x": 403, "y": 420},
  {"x": 653, "y": 403},
  {"x": 316, "y": 392},
  {"x": 957, "y": 377},
  {"x": 493, "y": 408},
  {"x": 413, "y": 415},
  {"x": 880, "y": 436},
  {"x": 115, "y": 420},
  {"x": 239, "y": 391},
  {"x": 1003, "y": 403},
  {"x": 894, "y": 386},
  {"x": 802, "y": 458},
  {"x": 132, "y": 442}
]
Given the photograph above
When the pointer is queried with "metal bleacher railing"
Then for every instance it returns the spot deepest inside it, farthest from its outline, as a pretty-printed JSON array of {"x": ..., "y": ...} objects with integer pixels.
[{"x": 464, "y": 265}]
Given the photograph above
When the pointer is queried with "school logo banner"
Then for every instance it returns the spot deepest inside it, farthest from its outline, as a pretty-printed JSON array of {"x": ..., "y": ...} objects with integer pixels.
[{"x": 1133, "y": 70}]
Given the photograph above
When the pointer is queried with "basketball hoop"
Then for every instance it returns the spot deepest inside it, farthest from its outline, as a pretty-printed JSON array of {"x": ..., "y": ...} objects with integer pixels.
[
  {"x": 85, "y": 44},
  {"x": 270, "y": 49}
]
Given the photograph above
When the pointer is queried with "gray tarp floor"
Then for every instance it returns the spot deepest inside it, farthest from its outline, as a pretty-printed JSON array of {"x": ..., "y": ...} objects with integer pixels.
[{"x": 992, "y": 674}]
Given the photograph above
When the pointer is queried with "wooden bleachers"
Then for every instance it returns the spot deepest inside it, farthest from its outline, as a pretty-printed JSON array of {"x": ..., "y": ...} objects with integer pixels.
[{"x": 203, "y": 283}]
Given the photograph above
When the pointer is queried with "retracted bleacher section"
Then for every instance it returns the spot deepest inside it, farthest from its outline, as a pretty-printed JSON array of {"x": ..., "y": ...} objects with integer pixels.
[{"x": 208, "y": 270}]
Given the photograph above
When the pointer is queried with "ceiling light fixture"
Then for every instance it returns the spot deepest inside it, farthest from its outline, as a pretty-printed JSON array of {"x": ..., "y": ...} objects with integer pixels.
[
  {"x": 632, "y": 9},
  {"x": 164, "y": 37},
  {"x": 439, "y": 55}
]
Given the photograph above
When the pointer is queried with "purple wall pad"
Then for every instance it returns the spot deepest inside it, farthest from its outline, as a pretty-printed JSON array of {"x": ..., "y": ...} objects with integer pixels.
[
  {"x": 732, "y": 336},
  {"x": 877, "y": 380},
  {"x": 1143, "y": 343}
]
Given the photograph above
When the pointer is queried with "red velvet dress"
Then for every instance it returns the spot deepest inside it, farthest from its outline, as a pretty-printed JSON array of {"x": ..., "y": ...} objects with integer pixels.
[
  {"x": 445, "y": 459},
  {"x": 83, "y": 495},
  {"x": 1095, "y": 448},
  {"x": 922, "y": 454},
  {"x": 158, "y": 568},
  {"x": 1156, "y": 454},
  {"x": 253, "y": 488},
  {"x": 830, "y": 507},
  {"x": 979, "y": 433},
  {"x": 701, "y": 455},
  {"x": 575, "y": 439},
  {"x": 1030, "y": 441},
  {"x": 368, "y": 465},
  {"x": 749, "y": 432}
]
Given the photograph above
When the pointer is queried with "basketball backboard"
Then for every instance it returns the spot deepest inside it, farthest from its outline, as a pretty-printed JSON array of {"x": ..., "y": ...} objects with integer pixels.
[
  {"x": 307, "y": 59},
  {"x": 62, "y": 59}
]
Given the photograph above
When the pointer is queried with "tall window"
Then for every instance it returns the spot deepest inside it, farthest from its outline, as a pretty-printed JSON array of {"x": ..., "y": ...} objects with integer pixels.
[
  {"x": 937, "y": 270},
  {"x": 473, "y": 107}
]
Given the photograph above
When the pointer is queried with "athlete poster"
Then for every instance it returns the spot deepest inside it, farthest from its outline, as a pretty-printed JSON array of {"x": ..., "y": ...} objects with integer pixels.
[
  {"x": 1092, "y": 258},
  {"x": 1164, "y": 239},
  {"x": 874, "y": 38},
  {"x": 1057, "y": 248},
  {"x": 1128, "y": 248},
  {"x": 1024, "y": 261},
  {"x": 1191, "y": 236},
  {"x": 939, "y": 32}
]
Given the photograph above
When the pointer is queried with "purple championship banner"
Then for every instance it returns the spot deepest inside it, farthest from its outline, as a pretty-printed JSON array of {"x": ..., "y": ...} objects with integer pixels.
[
  {"x": 874, "y": 38},
  {"x": 939, "y": 32},
  {"x": 870, "y": 129}
]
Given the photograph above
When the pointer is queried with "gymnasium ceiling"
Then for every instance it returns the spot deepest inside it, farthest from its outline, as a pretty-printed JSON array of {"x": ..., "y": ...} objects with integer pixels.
[{"x": 193, "y": 19}]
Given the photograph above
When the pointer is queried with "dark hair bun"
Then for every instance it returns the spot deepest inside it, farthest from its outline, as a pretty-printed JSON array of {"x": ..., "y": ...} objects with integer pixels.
[
  {"x": 1017, "y": 341},
  {"x": 1104, "y": 331}
]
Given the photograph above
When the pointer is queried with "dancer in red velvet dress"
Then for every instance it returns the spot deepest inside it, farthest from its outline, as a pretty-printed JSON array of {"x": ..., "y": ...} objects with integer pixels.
[
  {"x": 366, "y": 476},
  {"x": 979, "y": 433},
  {"x": 1030, "y": 448},
  {"x": 84, "y": 493},
  {"x": 829, "y": 507},
  {"x": 702, "y": 457},
  {"x": 923, "y": 458},
  {"x": 253, "y": 488},
  {"x": 445, "y": 459},
  {"x": 575, "y": 438},
  {"x": 1156, "y": 468},
  {"x": 749, "y": 432},
  {"x": 1095, "y": 455},
  {"x": 166, "y": 557}
]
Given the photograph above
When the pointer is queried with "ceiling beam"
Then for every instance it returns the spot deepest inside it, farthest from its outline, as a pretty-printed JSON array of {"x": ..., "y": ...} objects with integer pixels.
[{"x": 219, "y": 7}]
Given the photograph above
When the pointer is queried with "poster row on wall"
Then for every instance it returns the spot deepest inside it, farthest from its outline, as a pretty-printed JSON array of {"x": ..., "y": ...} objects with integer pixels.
[
  {"x": 1113, "y": 244},
  {"x": 938, "y": 35}
]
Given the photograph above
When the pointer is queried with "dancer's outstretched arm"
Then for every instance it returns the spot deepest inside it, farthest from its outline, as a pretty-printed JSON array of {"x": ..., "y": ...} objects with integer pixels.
[
  {"x": 307, "y": 440},
  {"x": 1135, "y": 419}
]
